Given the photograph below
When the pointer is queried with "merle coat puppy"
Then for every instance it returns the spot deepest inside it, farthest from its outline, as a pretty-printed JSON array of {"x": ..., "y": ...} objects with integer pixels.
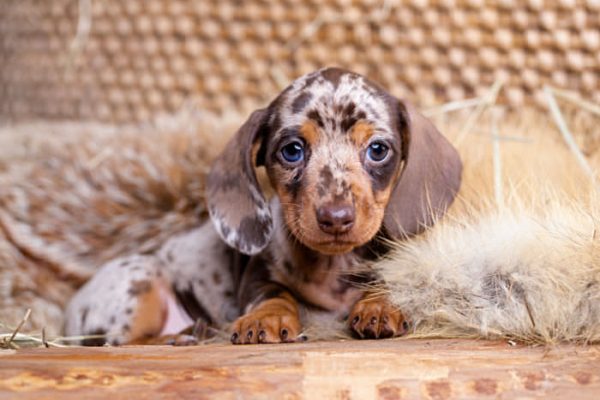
[{"x": 350, "y": 167}]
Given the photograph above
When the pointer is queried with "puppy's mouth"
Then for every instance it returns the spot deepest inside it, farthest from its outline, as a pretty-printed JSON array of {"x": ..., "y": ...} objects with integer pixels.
[{"x": 334, "y": 246}]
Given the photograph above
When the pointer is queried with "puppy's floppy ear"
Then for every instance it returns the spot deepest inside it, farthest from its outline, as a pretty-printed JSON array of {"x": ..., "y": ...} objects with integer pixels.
[
  {"x": 236, "y": 204},
  {"x": 430, "y": 179}
]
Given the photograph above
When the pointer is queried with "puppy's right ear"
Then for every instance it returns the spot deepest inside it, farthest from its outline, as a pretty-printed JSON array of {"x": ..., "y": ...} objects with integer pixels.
[{"x": 236, "y": 204}]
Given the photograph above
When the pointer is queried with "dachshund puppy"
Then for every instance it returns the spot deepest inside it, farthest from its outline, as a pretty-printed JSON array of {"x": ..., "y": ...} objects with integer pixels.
[{"x": 350, "y": 166}]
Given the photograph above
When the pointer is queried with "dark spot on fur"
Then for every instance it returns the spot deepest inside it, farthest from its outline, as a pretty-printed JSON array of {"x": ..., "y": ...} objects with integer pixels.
[
  {"x": 192, "y": 306},
  {"x": 330, "y": 122},
  {"x": 124, "y": 263},
  {"x": 170, "y": 256},
  {"x": 254, "y": 232},
  {"x": 350, "y": 116},
  {"x": 128, "y": 311},
  {"x": 228, "y": 294},
  {"x": 273, "y": 292},
  {"x": 217, "y": 278},
  {"x": 321, "y": 191},
  {"x": 201, "y": 282},
  {"x": 256, "y": 272},
  {"x": 311, "y": 79},
  {"x": 349, "y": 121},
  {"x": 325, "y": 181},
  {"x": 333, "y": 75},
  {"x": 381, "y": 175},
  {"x": 294, "y": 186},
  {"x": 300, "y": 102},
  {"x": 112, "y": 320},
  {"x": 326, "y": 176},
  {"x": 288, "y": 267},
  {"x": 316, "y": 117},
  {"x": 344, "y": 192},
  {"x": 349, "y": 109},
  {"x": 139, "y": 287},
  {"x": 274, "y": 126},
  {"x": 225, "y": 230},
  {"x": 126, "y": 328},
  {"x": 343, "y": 284},
  {"x": 84, "y": 314},
  {"x": 94, "y": 341}
]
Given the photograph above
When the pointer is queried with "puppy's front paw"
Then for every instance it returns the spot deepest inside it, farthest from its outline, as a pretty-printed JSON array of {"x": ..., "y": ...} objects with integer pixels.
[
  {"x": 272, "y": 321},
  {"x": 376, "y": 318}
]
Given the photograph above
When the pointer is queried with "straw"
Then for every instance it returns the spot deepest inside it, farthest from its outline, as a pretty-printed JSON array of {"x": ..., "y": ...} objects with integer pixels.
[
  {"x": 488, "y": 100},
  {"x": 566, "y": 133}
]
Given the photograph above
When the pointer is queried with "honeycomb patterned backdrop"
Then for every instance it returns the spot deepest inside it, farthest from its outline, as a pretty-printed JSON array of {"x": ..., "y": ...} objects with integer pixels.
[{"x": 127, "y": 60}]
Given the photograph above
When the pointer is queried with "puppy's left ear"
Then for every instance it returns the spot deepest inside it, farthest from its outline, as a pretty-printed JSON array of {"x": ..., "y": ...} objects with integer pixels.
[
  {"x": 236, "y": 204},
  {"x": 430, "y": 180}
]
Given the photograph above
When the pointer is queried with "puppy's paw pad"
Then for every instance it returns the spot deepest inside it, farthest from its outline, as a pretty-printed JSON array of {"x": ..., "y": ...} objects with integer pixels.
[{"x": 376, "y": 318}]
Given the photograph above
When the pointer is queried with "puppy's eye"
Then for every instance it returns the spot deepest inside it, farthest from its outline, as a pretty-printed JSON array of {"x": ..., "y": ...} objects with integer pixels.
[
  {"x": 293, "y": 152},
  {"x": 377, "y": 152}
]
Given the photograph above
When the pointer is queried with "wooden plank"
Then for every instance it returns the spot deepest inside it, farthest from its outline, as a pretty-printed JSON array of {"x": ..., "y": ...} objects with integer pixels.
[{"x": 391, "y": 369}]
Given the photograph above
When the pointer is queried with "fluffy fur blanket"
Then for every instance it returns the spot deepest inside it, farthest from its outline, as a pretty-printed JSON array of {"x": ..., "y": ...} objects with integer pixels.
[{"x": 516, "y": 257}]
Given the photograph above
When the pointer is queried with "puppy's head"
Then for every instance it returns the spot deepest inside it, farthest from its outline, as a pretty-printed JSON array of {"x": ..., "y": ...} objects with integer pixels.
[{"x": 346, "y": 160}]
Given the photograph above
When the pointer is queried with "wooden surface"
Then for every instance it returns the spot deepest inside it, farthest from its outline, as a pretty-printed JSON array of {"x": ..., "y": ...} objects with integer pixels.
[{"x": 405, "y": 369}]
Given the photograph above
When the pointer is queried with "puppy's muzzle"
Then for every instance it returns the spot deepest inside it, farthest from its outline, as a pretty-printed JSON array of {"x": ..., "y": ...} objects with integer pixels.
[{"x": 336, "y": 219}]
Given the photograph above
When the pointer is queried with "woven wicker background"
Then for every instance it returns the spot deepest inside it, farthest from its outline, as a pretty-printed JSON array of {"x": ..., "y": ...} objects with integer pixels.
[{"x": 122, "y": 61}]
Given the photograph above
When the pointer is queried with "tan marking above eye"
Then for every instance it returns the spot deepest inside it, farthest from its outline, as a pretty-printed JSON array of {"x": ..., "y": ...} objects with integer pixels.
[
  {"x": 310, "y": 132},
  {"x": 361, "y": 133}
]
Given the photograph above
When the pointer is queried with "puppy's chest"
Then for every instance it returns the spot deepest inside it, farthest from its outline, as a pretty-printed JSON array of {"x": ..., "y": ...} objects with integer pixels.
[{"x": 328, "y": 282}]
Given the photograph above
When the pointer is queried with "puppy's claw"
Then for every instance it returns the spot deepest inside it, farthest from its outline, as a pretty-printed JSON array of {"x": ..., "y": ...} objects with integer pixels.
[
  {"x": 302, "y": 338},
  {"x": 262, "y": 336}
]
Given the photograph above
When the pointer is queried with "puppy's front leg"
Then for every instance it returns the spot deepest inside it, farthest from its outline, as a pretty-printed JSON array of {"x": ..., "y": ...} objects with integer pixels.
[{"x": 271, "y": 315}]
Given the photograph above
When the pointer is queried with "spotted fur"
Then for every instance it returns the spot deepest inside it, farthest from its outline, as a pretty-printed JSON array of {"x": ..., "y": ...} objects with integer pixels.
[
  {"x": 263, "y": 259},
  {"x": 141, "y": 296},
  {"x": 335, "y": 115}
]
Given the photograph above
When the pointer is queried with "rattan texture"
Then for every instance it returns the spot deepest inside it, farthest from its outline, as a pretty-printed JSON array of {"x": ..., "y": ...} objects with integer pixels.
[{"x": 126, "y": 61}]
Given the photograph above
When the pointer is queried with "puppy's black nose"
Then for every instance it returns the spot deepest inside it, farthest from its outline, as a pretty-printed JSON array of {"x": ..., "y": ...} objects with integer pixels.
[{"x": 335, "y": 219}]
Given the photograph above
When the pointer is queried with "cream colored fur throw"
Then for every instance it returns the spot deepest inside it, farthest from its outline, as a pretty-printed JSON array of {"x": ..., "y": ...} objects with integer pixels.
[{"x": 519, "y": 264}]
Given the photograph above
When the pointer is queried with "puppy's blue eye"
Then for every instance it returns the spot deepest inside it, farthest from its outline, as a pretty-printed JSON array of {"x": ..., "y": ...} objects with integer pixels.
[
  {"x": 377, "y": 151},
  {"x": 293, "y": 152}
]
